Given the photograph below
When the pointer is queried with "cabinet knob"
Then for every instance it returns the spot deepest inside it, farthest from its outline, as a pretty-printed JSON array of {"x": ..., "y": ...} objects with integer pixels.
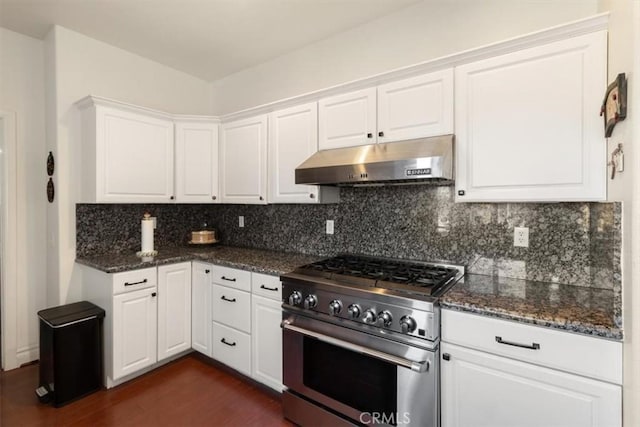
[
  {"x": 207, "y": 271},
  {"x": 154, "y": 294},
  {"x": 380, "y": 133},
  {"x": 312, "y": 196},
  {"x": 171, "y": 197},
  {"x": 446, "y": 356},
  {"x": 460, "y": 192},
  {"x": 261, "y": 198},
  {"x": 369, "y": 135},
  {"x": 213, "y": 197}
]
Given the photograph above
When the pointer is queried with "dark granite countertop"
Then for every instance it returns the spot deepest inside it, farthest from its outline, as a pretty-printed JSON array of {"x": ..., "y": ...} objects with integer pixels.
[
  {"x": 257, "y": 260},
  {"x": 579, "y": 309},
  {"x": 571, "y": 308}
]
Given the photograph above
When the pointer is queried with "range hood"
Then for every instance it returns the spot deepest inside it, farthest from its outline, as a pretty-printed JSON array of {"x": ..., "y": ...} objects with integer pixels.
[{"x": 404, "y": 162}]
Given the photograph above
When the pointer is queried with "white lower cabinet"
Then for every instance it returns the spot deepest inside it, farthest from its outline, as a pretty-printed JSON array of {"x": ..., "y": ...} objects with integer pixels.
[
  {"x": 201, "y": 308},
  {"x": 134, "y": 332},
  {"x": 244, "y": 319},
  {"x": 267, "y": 341},
  {"x": 148, "y": 316},
  {"x": 514, "y": 387},
  {"x": 130, "y": 301},
  {"x": 481, "y": 389},
  {"x": 231, "y": 317},
  {"x": 174, "y": 309},
  {"x": 232, "y": 347}
]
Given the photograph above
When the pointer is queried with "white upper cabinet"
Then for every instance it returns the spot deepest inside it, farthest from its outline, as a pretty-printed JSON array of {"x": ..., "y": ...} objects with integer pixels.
[
  {"x": 126, "y": 156},
  {"x": 528, "y": 126},
  {"x": 347, "y": 120},
  {"x": 293, "y": 137},
  {"x": 196, "y": 162},
  {"x": 417, "y": 107},
  {"x": 243, "y": 161}
]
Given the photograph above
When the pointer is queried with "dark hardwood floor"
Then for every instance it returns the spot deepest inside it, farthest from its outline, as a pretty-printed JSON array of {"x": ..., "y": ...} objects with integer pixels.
[{"x": 187, "y": 392}]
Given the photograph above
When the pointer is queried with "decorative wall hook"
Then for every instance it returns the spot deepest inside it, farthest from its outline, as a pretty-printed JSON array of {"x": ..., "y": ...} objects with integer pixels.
[{"x": 614, "y": 105}]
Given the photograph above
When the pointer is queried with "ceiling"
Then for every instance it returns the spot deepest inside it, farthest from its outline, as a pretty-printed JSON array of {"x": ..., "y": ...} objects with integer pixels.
[{"x": 209, "y": 39}]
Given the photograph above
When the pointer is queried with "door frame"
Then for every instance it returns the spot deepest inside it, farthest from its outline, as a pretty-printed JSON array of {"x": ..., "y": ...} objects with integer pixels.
[{"x": 9, "y": 242}]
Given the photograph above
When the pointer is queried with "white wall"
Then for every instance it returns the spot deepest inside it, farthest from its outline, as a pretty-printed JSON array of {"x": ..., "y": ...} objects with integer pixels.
[
  {"x": 417, "y": 33},
  {"x": 22, "y": 92},
  {"x": 79, "y": 66}
]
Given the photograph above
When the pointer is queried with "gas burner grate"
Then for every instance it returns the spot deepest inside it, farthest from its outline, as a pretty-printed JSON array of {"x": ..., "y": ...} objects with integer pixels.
[{"x": 383, "y": 273}]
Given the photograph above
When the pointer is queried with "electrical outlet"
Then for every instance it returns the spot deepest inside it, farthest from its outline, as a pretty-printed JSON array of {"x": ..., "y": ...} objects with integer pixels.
[
  {"x": 329, "y": 226},
  {"x": 241, "y": 221},
  {"x": 521, "y": 237}
]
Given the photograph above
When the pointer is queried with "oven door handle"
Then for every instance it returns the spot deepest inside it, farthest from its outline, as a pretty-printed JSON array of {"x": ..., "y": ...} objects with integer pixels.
[{"x": 400, "y": 361}]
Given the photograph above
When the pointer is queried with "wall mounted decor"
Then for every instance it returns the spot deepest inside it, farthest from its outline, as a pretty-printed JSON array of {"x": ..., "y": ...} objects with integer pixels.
[
  {"x": 51, "y": 164},
  {"x": 50, "y": 190},
  {"x": 614, "y": 105}
]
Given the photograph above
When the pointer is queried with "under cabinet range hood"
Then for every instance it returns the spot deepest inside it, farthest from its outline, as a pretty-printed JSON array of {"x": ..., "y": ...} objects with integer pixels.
[{"x": 404, "y": 162}]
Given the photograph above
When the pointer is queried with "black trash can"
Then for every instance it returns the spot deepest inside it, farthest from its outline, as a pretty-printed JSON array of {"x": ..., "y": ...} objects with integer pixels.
[{"x": 70, "y": 352}]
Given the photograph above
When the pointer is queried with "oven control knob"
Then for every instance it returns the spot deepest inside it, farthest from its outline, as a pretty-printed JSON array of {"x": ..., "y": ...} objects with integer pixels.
[
  {"x": 354, "y": 311},
  {"x": 295, "y": 298},
  {"x": 335, "y": 307},
  {"x": 407, "y": 324},
  {"x": 384, "y": 319},
  {"x": 369, "y": 316},
  {"x": 310, "y": 302}
]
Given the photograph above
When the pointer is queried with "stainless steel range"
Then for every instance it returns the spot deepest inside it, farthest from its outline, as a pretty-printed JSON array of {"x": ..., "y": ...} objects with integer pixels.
[{"x": 361, "y": 341}]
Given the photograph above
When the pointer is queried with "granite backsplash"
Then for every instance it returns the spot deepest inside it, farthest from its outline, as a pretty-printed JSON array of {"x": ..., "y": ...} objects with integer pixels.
[{"x": 572, "y": 243}]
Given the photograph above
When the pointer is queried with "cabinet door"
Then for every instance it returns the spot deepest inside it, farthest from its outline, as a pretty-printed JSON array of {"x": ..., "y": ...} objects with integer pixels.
[
  {"x": 134, "y": 331},
  {"x": 196, "y": 162},
  {"x": 347, "y": 120},
  {"x": 134, "y": 157},
  {"x": 481, "y": 389},
  {"x": 528, "y": 125},
  {"x": 293, "y": 137},
  {"x": 243, "y": 161},
  {"x": 417, "y": 107},
  {"x": 201, "y": 308},
  {"x": 174, "y": 309},
  {"x": 267, "y": 341}
]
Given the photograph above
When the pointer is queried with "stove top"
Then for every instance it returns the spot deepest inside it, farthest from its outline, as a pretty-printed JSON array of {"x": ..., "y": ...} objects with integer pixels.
[
  {"x": 363, "y": 271},
  {"x": 391, "y": 298}
]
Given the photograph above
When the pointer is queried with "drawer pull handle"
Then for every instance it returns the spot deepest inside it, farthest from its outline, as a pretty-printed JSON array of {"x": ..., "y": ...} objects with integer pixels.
[
  {"x": 226, "y": 278},
  {"x": 227, "y": 299},
  {"x": 135, "y": 283},
  {"x": 533, "y": 346},
  {"x": 268, "y": 288},
  {"x": 230, "y": 344}
]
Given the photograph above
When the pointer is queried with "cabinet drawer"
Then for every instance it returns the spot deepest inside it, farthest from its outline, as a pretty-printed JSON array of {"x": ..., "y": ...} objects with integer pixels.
[
  {"x": 592, "y": 357},
  {"x": 232, "y": 347},
  {"x": 232, "y": 277},
  {"x": 133, "y": 280},
  {"x": 266, "y": 286},
  {"x": 231, "y": 307}
]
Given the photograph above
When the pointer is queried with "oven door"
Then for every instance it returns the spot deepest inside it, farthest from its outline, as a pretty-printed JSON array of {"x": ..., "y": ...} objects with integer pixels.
[{"x": 369, "y": 379}]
